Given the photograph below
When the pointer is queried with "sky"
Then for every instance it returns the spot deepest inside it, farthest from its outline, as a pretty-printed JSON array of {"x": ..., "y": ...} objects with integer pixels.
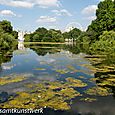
[{"x": 28, "y": 15}]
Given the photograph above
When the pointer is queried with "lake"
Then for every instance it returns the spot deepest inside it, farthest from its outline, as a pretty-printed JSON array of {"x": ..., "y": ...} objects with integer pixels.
[{"x": 56, "y": 77}]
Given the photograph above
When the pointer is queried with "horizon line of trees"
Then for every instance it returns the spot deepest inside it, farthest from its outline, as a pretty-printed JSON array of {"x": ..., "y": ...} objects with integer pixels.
[
  {"x": 44, "y": 35},
  {"x": 98, "y": 38}
]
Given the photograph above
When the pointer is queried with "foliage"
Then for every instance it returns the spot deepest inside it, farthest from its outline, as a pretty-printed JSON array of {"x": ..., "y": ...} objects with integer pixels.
[
  {"x": 72, "y": 34},
  {"x": 105, "y": 45},
  {"x": 44, "y": 35},
  {"x": 99, "y": 38},
  {"x": 75, "y": 82},
  {"x": 105, "y": 20},
  {"x": 5, "y": 26},
  {"x": 7, "y": 35}
]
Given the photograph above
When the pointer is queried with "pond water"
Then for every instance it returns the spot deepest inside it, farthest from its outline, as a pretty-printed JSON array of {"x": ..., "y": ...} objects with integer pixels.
[{"x": 59, "y": 71}]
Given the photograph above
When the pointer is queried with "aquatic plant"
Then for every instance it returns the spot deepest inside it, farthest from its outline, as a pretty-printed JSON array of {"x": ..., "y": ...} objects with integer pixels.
[
  {"x": 7, "y": 80},
  {"x": 71, "y": 68},
  {"x": 68, "y": 93},
  {"x": 62, "y": 71},
  {"x": 98, "y": 91},
  {"x": 50, "y": 94},
  {"x": 41, "y": 69},
  {"x": 71, "y": 82},
  {"x": 108, "y": 81}
]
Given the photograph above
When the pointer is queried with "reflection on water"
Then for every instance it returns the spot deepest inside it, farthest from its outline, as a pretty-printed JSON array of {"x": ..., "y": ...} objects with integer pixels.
[
  {"x": 61, "y": 74},
  {"x": 20, "y": 45}
]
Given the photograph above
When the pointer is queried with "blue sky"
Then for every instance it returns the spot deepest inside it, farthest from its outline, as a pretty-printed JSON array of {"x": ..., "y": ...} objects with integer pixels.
[{"x": 58, "y": 14}]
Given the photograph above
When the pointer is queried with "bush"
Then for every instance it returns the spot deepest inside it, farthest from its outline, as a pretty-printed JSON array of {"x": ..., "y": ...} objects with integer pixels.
[{"x": 105, "y": 45}]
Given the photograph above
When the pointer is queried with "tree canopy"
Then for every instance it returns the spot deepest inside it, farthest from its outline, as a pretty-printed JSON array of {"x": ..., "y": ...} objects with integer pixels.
[
  {"x": 44, "y": 35},
  {"x": 7, "y": 35},
  {"x": 105, "y": 20}
]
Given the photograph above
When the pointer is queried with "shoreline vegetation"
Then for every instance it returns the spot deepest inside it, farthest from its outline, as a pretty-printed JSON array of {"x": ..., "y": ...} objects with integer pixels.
[{"x": 43, "y": 43}]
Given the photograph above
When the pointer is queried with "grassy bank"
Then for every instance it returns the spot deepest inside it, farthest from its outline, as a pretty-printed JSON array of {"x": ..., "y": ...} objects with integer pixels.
[{"x": 43, "y": 43}]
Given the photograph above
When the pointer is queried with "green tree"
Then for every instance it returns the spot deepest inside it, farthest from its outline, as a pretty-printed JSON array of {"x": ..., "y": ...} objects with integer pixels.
[
  {"x": 36, "y": 38},
  {"x": 7, "y": 35},
  {"x": 42, "y": 32},
  {"x": 72, "y": 34},
  {"x": 105, "y": 45},
  {"x": 44, "y": 35},
  {"x": 6, "y": 41},
  {"x": 6, "y": 26},
  {"x": 105, "y": 20}
]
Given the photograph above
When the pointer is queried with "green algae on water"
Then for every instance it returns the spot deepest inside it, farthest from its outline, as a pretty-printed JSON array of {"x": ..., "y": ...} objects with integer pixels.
[{"x": 98, "y": 91}]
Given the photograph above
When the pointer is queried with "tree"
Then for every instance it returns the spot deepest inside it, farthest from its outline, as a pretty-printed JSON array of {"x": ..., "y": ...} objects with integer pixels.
[
  {"x": 28, "y": 37},
  {"x": 72, "y": 34},
  {"x": 7, "y": 35},
  {"x": 6, "y": 41},
  {"x": 15, "y": 34},
  {"x": 56, "y": 35},
  {"x": 36, "y": 38},
  {"x": 42, "y": 32},
  {"x": 105, "y": 20},
  {"x": 44, "y": 35},
  {"x": 105, "y": 45},
  {"x": 6, "y": 26}
]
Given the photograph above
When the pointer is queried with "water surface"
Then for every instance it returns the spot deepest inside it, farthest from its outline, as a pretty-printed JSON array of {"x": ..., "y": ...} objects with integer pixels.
[{"x": 39, "y": 63}]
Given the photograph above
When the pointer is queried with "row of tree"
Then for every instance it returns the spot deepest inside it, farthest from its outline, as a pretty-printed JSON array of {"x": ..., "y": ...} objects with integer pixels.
[
  {"x": 44, "y": 35},
  {"x": 7, "y": 35},
  {"x": 52, "y": 35}
]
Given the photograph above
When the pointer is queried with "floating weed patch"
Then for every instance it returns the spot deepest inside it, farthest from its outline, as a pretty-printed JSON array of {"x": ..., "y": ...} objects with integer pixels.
[
  {"x": 111, "y": 75},
  {"x": 88, "y": 99},
  {"x": 57, "y": 103},
  {"x": 71, "y": 68},
  {"x": 68, "y": 93},
  {"x": 71, "y": 82},
  {"x": 44, "y": 94},
  {"x": 62, "y": 71},
  {"x": 95, "y": 60},
  {"x": 107, "y": 82},
  {"x": 106, "y": 68},
  {"x": 7, "y": 80},
  {"x": 94, "y": 79},
  {"x": 98, "y": 91},
  {"x": 90, "y": 67},
  {"x": 40, "y": 69},
  {"x": 83, "y": 70},
  {"x": 82, "y": 77},
  {"x": 55, "y": 85}
]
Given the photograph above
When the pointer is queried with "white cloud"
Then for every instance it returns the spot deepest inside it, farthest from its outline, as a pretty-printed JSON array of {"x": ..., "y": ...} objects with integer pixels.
[
  {"x": 31, "y": 3},
  {"x": 47, "y": 3},
  {"x": 24, "y": 4},
  {"x": 46, "y": 19},
  {"x": 7, "y": 13},
  {"x": 90, "y": 18},
  {"x": 18, "y": 3},
  {"x": 89, "y": 10},
  {"x": 62, "y": 12}
]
